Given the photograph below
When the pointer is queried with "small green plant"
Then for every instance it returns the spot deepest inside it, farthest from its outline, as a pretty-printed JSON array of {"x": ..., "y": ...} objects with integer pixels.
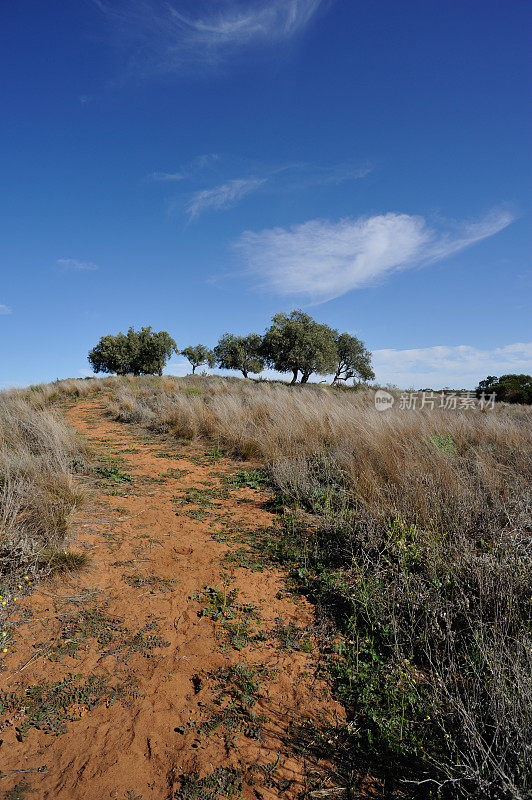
[
  {"x": 175, "y": 473},
  {"x": 19, "y": 791},
  {"x": 233, "y": 708},
  {"x": 111, "y": 471},
  {"x": 236, "y": 618},
  {"x": 197, "y": 513},
  {"x": 222, "y": 783},
  {"x": 112, "y": 540},
  {"x": 243, "y": 557},
  {"x": 292, "y": 637},
  {"x": 110, "y": 633},
  {"x": 252, "y": 479},
  {"x": 49, "y": 706},
  {"x": 201, "y": 497},
  {"x": 444, "y": 443}
]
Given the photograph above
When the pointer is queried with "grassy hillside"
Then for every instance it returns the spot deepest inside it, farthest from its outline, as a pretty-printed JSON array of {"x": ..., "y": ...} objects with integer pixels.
[{"x": 411, "y": 531}]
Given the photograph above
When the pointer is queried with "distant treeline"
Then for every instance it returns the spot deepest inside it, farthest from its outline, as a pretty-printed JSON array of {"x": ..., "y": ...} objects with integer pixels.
[{"x": 294, "y": 343}]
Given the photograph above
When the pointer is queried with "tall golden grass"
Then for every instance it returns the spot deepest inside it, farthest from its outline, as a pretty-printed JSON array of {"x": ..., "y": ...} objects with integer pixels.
[
  {"x": 438, "y": 468},
  {"x": 39, "y": 455}
]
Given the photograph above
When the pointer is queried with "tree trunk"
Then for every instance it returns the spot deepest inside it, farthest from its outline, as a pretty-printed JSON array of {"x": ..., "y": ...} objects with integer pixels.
[
  {"x": 305, "y": 377},
  {"x": 294, "y": 379},
  {"x": 193, "y": 368},
  {"x": 245, "y": 373}
]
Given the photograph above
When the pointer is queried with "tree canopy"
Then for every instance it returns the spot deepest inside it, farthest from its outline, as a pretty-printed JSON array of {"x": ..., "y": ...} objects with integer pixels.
[
  {"x": 199, "y": 354},
  {"x": 296, "y": 343},
  {"x": 353, "y": 360},
  {"x": 143, "y": 352},
  {"x": 508, "y": 388},
  {"x": 240, "y": 352}
]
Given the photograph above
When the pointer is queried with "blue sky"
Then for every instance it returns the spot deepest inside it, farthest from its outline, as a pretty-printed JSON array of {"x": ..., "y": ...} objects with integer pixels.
[{"x": 199, "y": 165}]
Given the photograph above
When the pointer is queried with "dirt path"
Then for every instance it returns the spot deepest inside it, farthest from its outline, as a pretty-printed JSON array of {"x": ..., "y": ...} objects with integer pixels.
[{"x": 205, "y": 688}]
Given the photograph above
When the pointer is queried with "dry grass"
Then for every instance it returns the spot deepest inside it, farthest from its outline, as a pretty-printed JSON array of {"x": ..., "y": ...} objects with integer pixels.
[
  {"x": 412, "y": 532},
  {"x": 39, "y": 455},
  {"x": 439, "y": 469}
]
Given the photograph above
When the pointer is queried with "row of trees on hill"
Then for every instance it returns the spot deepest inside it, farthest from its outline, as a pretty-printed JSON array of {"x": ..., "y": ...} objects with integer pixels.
[{"x": 294, "y": 343}]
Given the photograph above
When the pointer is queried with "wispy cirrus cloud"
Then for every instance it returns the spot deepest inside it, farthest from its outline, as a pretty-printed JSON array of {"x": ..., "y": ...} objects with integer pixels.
[
  {"x": 219, "y": 197},
  {"x": 322, "y": 260},
  {"x": 167, "y": 176},
  {"x": 304, "y": 175},
  {"x": 74, "y": 264},
  {"x": 4, "y": 309},
  {"x": 162, "y": 37},
  {"x": 188, "y": 171},
  {"x": 225, "y": 191},
  {"x": 459, "y": 367}
]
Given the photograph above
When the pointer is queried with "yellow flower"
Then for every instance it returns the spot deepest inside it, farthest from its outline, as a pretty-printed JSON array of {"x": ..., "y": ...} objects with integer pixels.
[{"x": 4, "y": 650}]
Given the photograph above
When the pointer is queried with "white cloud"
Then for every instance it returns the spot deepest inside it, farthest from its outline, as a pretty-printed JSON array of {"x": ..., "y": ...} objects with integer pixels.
[
  {"x": 4, "y": 310},
  {"x": 167, "y": 176},
  {"x": 457, "y": 367},
  {"x": 188, "y": 171},
  {"x": 323, "y": 260},
  {"x": 227, "y": 192},
  {"x": 74, "y": 264},
  {"x": 205, "y": 160},
  {"x": 305, "y": 175},
  {"x": 223, "y": 196},
  {"x": 244, "y": 22},
  {"x": 163, "y": 38}
]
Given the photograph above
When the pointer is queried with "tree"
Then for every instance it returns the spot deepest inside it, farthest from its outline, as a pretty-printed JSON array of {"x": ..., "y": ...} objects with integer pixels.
[
  {"x": 296, "y": 343},
  {"x": 111, "y": 354},
  {"x": 508, "y": 388},
  {"x": 150, "y": 350},
  {"x": 143, "y": 352},
  {"x": 240, "y": 352},
  {"x": 353, "y": 360},
  {"x": 198, "y": 355}
]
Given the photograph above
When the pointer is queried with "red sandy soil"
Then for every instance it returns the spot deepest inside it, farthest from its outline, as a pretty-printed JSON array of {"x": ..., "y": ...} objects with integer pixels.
[{"x": 142, "y": 745}]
